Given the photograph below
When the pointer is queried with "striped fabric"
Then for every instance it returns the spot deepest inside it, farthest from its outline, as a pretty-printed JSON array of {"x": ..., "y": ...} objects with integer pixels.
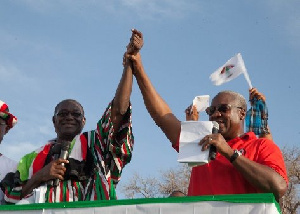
[
  {"x": 109, "y": 155},
  {"x": 257, "y": 117},
  {"x": 6, "y": 165}
]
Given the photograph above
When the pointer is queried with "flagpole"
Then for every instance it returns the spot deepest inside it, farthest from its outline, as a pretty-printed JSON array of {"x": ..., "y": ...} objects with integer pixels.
[{"x": 246, "y": 75}]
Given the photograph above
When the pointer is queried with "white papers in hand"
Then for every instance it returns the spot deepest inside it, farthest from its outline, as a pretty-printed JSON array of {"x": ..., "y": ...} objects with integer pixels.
[
  {"x": 201, "y": 102},
  {"x": 191, "y": 134}
]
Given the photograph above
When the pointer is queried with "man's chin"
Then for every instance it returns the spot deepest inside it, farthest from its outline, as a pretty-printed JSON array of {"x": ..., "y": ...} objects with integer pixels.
[
  {"x": 224, "y": 133},
  {"x": 68, "y": 133},
  {"x": 68, "y": 136},
  {"x": 222, "y": 130}
]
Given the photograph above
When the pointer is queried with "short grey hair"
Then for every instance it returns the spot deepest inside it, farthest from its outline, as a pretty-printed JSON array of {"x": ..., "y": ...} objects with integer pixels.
[{"x": 241, "y": 101}]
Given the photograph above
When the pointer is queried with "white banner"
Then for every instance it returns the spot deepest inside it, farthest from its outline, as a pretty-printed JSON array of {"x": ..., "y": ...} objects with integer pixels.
[{"x": 218, "y": 204}]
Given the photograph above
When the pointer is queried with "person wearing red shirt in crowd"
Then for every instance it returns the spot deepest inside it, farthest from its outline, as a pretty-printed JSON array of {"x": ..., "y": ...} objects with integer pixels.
[{"x": 244, "y": 164}]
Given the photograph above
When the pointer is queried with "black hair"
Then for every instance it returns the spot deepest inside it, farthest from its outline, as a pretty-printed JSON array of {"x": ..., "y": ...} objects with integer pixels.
[{"x": 67, "y": 100}]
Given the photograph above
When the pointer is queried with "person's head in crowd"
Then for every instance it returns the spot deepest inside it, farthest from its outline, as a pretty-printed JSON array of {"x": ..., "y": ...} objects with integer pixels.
[
  {"x": 177, "y": 193},
  {"x": 68, "y": 119},
  {"x": 7, "y": 120},
  {"x": 228, "y": 108}
]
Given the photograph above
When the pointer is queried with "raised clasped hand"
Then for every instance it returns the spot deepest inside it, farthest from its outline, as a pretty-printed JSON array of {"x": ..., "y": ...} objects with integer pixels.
[{"x": 135, "y": 44}]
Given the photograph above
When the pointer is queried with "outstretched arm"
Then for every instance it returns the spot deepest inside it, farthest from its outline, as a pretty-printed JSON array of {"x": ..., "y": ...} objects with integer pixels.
[
  {"x": 156, "y": 106},
  {"x": 122, "y": 97}
]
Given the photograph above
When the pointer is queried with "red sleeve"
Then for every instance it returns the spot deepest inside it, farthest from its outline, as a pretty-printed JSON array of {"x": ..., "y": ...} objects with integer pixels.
[
  {"x": 271, "y": 156},
  {"x": 176, "y": 146}
]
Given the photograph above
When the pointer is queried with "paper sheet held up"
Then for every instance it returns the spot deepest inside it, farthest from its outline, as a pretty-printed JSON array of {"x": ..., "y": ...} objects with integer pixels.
[{"x": 191, "y": 134}]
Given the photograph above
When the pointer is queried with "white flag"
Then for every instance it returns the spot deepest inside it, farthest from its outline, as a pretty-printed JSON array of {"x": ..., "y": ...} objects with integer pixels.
[{"x": 230, "y": 70}]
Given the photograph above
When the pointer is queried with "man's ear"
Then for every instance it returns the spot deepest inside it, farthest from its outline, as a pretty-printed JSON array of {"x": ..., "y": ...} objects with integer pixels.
[
  {"x": 242, "y": 114},
  {"x": 53, "y": 120},
  {"x": 83, "y": 120}
]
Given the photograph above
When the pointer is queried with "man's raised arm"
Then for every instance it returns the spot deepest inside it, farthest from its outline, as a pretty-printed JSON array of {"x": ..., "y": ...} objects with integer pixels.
[
  {"x": 123, "y": 92},
  {"x": 156, "y": 106}
]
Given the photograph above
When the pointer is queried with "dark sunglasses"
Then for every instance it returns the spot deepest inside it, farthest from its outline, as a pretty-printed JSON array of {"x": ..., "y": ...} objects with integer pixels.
[
  {"x": 222, "y": 108},
  {"x": 66, "y": 113}
]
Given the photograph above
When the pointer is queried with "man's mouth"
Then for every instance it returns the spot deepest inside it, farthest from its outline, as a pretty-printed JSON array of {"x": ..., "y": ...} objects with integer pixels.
[
  {"x": 68, "y": 124},
  {"x": 221, "y": 124}
]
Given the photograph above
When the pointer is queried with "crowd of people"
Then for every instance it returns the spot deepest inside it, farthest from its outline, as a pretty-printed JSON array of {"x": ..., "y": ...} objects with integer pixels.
[{"x": 87, "y": 166}]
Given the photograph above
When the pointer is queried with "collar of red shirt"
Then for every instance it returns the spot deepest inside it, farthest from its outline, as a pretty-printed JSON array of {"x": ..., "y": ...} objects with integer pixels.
[{"x": 245, "y": 137}]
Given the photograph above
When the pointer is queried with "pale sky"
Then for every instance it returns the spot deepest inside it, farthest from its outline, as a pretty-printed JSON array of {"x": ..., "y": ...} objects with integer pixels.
[{"x": 53, "y": 50}]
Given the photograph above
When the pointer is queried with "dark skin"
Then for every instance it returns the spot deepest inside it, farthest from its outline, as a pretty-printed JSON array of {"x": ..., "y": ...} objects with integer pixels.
[
  {"x": 254, "y": 93},
  {"x": 156, "y": 106},
  {"x": 3, "y": 129},
  {"x": 231, "y": 126},
  {"x": 192, "y": 114},
  {"x": 177, "y": 193},
  {"x": 68, "y": 126}
]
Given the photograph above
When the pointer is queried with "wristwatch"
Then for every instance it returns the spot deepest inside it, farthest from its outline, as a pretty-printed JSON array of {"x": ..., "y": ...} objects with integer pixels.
[{"x": 235, "y": 155}]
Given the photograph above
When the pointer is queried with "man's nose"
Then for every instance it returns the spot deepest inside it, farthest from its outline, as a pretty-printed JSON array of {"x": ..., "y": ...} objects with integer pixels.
[
  {"x": 69, "y": 115},
  {"x": 216, "y": 113}
]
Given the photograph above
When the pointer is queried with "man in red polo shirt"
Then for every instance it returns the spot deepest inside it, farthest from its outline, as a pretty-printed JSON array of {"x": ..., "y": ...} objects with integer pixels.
[{"x": 244, "y": 164}]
